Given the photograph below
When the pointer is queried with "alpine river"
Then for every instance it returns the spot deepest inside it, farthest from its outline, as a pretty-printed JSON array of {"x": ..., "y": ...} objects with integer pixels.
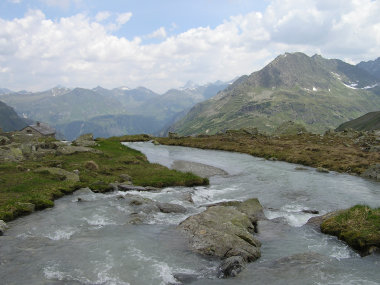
[{"x": 93, "y": 242}]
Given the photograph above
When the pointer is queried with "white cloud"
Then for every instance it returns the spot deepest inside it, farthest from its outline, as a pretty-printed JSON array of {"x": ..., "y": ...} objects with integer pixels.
[
  {"x": 101, "y": 16},
  {"x": 123, "y": 18},
  {"x": 158, "y": 34},
  {"x": 37, "y": 53},
  {"x": 15, "y": 1}
]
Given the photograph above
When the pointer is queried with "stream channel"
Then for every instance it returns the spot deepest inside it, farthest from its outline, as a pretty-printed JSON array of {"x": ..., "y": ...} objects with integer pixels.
[{"x": 92, "y": 242}]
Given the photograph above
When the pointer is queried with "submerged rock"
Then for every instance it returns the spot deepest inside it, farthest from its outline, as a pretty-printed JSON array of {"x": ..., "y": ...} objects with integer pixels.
[
  {"x": 185, "y": 278},
  {"x": 300, "y": 168},
  {"x": 171, "y": 208},
  {"x": 199, "y": 169},
  {"x": 225, "y": 231},
  {"x": 230, "y": 267},
  {"x": 322, "y": 170},
  {"x": 307, "y": 211}
]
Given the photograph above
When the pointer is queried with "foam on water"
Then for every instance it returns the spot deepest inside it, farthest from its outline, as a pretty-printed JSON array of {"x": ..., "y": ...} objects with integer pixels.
[
  {"x": 98, "y": 220},
  {"x": 205, "y": 195},
  {"x": 61, "y": 234},
  {"x": 162, "y": 269},
  {"x": 292, "y": 213}
]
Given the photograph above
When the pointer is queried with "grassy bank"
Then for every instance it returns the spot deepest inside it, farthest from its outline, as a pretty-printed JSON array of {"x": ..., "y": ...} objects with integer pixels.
[
  {"x": 334, "y": 152},
  {"x": 32, "y": 185},
  {"x": 358, "y": 226}
]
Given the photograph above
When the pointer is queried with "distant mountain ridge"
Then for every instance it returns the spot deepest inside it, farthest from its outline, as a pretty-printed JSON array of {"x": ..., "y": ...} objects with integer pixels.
[
  {"x": 316, "y": 92},
  {"x": 372, "y": 67},
  {"x": 108, "y": 109},
  {"x": 5, "y": 91},
  {"x": 367, "y": 122}
]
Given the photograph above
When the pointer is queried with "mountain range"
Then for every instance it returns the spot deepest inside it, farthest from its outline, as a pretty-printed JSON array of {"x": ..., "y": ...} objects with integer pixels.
[
  {"x": 108, "y": 112},
  {"x": 316, "y": 92}
]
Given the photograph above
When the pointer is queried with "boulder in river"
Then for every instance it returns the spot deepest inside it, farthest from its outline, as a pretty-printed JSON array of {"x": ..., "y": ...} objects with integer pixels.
[
  {"x": 226, "y": 231},
  {"x": 171, "y": 208}
]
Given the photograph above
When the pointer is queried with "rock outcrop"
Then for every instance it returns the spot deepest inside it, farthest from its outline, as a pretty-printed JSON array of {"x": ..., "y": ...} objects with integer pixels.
[
  {"x": 60, "y": 173},
  {"x": 3, "y": 227},
  {"x": 226, "y": 231},
  {"x": 373, "y": 172},
  {"x": 86, "y": 140}
]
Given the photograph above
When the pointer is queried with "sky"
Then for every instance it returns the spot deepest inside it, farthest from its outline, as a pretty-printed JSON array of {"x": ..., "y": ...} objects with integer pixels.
[{"x": 162, "y": 44}]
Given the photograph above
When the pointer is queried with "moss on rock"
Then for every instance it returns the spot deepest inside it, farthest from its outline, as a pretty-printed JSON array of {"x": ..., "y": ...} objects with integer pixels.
[{"x": 358, "y": 226}]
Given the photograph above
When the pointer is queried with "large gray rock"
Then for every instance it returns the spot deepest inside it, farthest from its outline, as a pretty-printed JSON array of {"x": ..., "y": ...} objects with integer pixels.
[
  {"x": 171, "y": 208},
  {"x": 3, "y": 227},
  {"x": 373, "y": 172},
  {"x": 226, "y": 231},
  {"x": 70, "y": 149},
  {"x": 144, "y": 208},
  {"x": 85, "y": 140}
]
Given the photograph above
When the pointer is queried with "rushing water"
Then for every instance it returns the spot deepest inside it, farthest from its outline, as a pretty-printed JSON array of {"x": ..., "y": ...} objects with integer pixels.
[{"x": 92, "y": 242}]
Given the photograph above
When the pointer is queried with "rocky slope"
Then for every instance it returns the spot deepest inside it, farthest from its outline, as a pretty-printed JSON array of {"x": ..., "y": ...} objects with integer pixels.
[
  {"x": 372, "y": 67},
  {"x": 316, "y": 92}
]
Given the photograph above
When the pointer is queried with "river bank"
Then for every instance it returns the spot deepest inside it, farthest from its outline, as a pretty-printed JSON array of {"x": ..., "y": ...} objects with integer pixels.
[
  {"x": 51, "y": 169},
  {"x": 345, "y": 152}
]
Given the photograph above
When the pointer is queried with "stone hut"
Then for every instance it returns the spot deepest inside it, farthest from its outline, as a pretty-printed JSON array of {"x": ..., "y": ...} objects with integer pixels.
[{"x": 39, "y": 129}]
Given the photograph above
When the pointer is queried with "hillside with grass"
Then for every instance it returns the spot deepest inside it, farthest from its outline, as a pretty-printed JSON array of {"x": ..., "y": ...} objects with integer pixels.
[
  {"x": 313, "y": 91},
  {"x": 9, "y": 120},
  {"x": 367, "y": 122}
]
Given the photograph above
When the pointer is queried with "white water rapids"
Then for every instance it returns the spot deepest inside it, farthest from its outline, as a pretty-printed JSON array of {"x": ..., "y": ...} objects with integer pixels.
[{"x": 92, "y": 242}]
